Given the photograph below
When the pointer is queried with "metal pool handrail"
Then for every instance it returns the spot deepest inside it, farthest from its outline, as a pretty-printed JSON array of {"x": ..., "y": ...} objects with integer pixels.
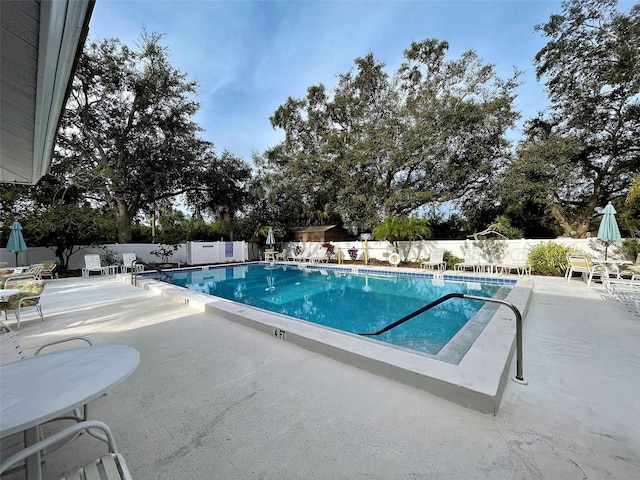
[
  {"x": 519, "y": 367},
  {"x": 137, "y": 261}
]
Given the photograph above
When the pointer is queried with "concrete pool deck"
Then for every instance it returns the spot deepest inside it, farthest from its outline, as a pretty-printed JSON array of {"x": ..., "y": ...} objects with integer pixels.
[{"x": 215, "y": 399}]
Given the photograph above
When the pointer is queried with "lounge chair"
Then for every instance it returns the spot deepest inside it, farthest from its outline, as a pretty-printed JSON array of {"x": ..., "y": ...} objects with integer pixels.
[
  {"x": 436, "y": 260},
  {"x": 29, "y": 296},
  {"x": 92, "y": 264},
  {"x": 472, "y": 260},
  {"x": 127, "y": 263},
  {"x": 517, "y": 261},
  {"x": 48, "y": 269},
  {"x": 581, "y": 264},
  {"x": 630, "y": 270},
  {"x": 303, "y": 256},
  {"x": 111, "y": 466},
  {"x": 622, "y": 290}
]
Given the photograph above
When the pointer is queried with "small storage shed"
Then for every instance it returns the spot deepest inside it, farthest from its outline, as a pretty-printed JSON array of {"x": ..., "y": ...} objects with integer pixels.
[{"x": 323, "y": 233}]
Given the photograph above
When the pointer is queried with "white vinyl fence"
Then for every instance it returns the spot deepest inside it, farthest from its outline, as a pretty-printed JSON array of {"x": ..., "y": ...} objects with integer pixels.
[{"x": 202, "y": 253}]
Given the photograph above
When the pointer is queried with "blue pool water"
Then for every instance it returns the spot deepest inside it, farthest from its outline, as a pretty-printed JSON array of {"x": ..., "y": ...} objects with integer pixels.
[{"x": 355, "y": 303}]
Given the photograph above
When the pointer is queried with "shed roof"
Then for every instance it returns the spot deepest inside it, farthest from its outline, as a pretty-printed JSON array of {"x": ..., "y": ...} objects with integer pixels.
[{"x": 321, "y": 228}]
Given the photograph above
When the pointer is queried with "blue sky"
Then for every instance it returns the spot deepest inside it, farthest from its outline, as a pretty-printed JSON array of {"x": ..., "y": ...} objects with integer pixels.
[{"x": 249, "y": 56}]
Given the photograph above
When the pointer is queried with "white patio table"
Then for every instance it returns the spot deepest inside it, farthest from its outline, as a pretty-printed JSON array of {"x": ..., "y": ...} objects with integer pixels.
[
  {"x": 6, "y": 293},
  {"x": 41, "y": 388},
  {"x": 613, "y": 263}
]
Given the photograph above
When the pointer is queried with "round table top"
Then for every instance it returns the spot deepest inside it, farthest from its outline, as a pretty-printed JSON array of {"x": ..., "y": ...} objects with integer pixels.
[
  {"x": 46, "y": 386},
  {"x": 7, "y": 292},
  {"x": 612, "y": 261}
]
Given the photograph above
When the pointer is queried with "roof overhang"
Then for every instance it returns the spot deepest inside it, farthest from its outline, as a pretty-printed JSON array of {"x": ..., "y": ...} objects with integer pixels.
[{"x": 41, "y": 42}]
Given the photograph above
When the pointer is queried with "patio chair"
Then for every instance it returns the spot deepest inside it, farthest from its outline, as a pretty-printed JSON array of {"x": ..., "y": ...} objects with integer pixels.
[
  {"x": 92, "y": 264},
  {"x": 626, "y": 271},
  {"x": 581, "y": 264},
  {"x": 302, "y": 256},
  {"x": 29, "y": 296},
  {"x": 35, "y": 270},
  {"x": 48, "y": 269},
  {"x": 436, "y": 260},
  {"x": 127, "y": 263},
  {"x": 15, "y": 280},
  {"x": 622, "y": 290},
  {"x": 11, "y": 351},
  {"x": 111, "y": 466}
]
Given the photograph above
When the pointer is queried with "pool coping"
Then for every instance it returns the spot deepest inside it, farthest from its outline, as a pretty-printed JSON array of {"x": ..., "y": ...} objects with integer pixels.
[{"x": 476, "y": 382}]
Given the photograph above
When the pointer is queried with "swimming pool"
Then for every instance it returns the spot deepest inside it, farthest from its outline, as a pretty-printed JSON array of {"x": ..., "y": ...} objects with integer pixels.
[
  {"x": 471, "y": 370},
  {"x": 350, "y": 302}
]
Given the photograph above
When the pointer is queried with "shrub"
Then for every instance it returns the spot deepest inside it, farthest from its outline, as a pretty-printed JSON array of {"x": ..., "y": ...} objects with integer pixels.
[
  {"x": 451, "y": 259},
  {"x": 629, "y": 249},
  {"x": 551, "y": 258}
]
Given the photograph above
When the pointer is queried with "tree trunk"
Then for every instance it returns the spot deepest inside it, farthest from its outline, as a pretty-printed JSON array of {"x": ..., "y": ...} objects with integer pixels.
[
  {"x": 569, "y": 230},
  {"x": 124, "y": 223}
]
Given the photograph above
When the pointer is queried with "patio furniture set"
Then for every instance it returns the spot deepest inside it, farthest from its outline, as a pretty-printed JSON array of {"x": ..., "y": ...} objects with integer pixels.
[
  {"x": 93, "y": 263},
  {"x": 621, "y": 278},
  {"x": 21, "y": 288},
  {"x": 54, "y": 386},
  {"x": 517, "y": 262},
  {"x": 49, "y": 387}
]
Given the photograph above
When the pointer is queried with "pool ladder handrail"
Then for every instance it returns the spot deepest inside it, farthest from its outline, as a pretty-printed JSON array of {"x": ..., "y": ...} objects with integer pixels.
[
  {"x": 137, "y": 261},
  {"x": 519, "y": 366}
]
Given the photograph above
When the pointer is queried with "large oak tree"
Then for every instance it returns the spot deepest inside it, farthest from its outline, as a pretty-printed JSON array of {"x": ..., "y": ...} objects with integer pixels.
[
  {"x": 128, "y": 137},
  {"x": 585, "y": 151},
  {"x": 382, "y": 146}
]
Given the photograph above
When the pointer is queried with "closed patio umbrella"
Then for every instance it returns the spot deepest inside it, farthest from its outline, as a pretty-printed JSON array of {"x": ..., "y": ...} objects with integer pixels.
[
  {"x": 609, "y": 231},
  {"x": 271, "y": 239},
  {"x": 16, "y": 241}
]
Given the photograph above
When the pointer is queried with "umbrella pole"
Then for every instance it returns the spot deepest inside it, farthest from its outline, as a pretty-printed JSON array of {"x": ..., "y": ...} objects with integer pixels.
[{"x": 16, "y": 259}]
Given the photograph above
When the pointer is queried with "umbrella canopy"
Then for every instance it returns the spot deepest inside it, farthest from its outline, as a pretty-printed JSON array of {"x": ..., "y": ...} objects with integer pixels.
[
  {"x": 609, "y": 231},
  {"x": 16, "y": 241},
  {"x": 271, "y": 239}
]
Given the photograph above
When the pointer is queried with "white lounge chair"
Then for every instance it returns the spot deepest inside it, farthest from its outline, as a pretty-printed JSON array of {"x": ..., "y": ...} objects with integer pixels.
[
  {"x": 436, "y": 260},
  {"x": 472, "y": 260},
  {"x": 92, "y": 264},
  {"x": 622, "y": 290},
  {"x": 517, "y": 261},
  {"x": 127, "y": 263}
]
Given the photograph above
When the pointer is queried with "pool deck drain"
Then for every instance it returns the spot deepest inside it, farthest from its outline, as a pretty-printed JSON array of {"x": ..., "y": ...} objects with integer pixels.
[{"x": 477, "y": 381}]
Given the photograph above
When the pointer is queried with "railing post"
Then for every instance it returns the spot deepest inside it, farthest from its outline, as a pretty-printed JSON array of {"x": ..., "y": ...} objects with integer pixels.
[{"x": 519, "y": 378}]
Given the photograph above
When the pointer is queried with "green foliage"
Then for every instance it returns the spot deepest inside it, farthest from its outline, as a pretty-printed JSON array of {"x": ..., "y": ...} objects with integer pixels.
[
  {"x": 223, "y": 190},
  {"x": 550, "y": 258},
  {"x": 451, "y": 259},
  {"x": 583, "y": 152},
  {"x": 492, "y": 248},
  {"x": 171, "y": 228},
  {"x": 127, "y": 137},
  {"x": 66, "y": 227},
  {"x": 108, "y": 256},
  {"x": 401, "y": 228},
  {"x": 164, "y": 252},
  {"x": 382, "y": 145},
  {"x": 629, "y": 249}
]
